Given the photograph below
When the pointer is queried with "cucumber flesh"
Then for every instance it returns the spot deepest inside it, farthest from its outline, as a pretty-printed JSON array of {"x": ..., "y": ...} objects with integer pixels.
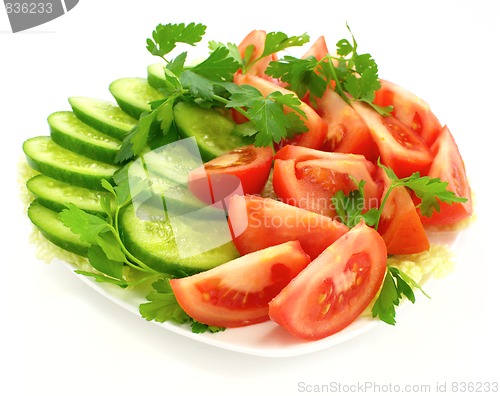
[
  {"x": 52, "y": 228},
  {"x": 211, "y": 128},
  {"x": 68, "y": 131},
  {"x": 47, "y": 157},
  {"x": 134, "y": 95},
  {"x": 156, "y": 75},
  {"x": 102, "y": 115},
  {"x": 55, "y": 194},
  {"x": 151, "y": 238}
]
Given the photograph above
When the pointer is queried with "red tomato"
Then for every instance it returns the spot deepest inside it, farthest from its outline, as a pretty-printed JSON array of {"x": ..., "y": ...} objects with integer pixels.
[
  {"x": 257, "y": 39},
  {"x": 257, "y": 223},
  {"x": 312, "y": 179},
  {"x": 347, "y": 132},
  {"x": 316, "y": 127},
  {"x": 318, "y": 50},
  {"x": 410, "y": 110},
  {"x": 335, "y": 288},
  {"x": 237, "y": 293},
  {"x": 449, "y": 167},
  {"x": 400, "y": 147},
  {"x": 400, "y": 225},
  {"x": 251, "y": 165}
]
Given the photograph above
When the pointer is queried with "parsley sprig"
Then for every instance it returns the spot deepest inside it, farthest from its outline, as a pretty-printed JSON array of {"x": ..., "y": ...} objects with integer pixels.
[
  {"x": 209, "y": 83},
  {"x": 354, "y": 75},
  {"x": 109, "y": 256},
  {"x": 349, "y": 208}
]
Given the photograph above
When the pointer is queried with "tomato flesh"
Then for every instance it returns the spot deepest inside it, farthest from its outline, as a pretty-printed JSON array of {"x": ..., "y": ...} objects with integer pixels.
[
  {"x": 237, "y": 293},
  {"x": 335, "y": 288},
  {"x": 409, "y": 109},
  {"x": 255, "y": 42},
  {"x": 347, "y": 132},
  {"x": 219, "y": 178},
  {"x": 309, "y": 178},
  {"x": 448, "y": 165},
  {"x": 400, "y": 148},
  {"x": 257, "y": 223}
]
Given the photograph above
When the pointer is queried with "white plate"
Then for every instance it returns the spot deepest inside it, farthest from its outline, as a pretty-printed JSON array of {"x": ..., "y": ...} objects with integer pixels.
[{"x": 264, "y": 339}]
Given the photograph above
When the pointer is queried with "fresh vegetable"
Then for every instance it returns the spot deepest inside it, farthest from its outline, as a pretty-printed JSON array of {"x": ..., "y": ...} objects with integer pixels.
[
  {"x": 68, "y": 131},
  {"x": 237, "y": 293},
  {"x": 258, "y": 223},
  {"x": 449, "y": 167},
  {"x": 361, "y": 165},
  {"x": 65, "y": 165},
  {"x": 249, "y": 166},
  {"x": 332, "y": 291}
]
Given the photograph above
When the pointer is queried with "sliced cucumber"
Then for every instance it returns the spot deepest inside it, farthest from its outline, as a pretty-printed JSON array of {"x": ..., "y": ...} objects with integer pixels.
[
  {"x": 134, "y": 95},
  {"x": 55, "y": 194},
  {"x": 47, "y": 157},
  {"x": 151, "y": 238},
  {"x": 102, "y": 115},
  {"x": 156, "y": 75},
  {"x": 52, "y": 228},
  {"x": 211, "y": 128},
  {"x": 68, "y": 131}
]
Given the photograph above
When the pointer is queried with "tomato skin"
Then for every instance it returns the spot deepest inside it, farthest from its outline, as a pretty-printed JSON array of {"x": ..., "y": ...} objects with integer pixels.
[
  {"x": 318, "y": 49},
  {"x": 400, "y": 148},
  {"x": 258, "y": 223},
  {"x": 347, "y": 132},
  {"x": 309, "y": 178},
  {"x": 250, "y": 165},
  {"x": 335, "y": 288},
  {"x": 257, "y": 38},
  {"x": 316, "y": 127},
  {"x": 411, "y": 110},
  {"x": 237, "y": 293},
  {"x": 448, "y": 165}
]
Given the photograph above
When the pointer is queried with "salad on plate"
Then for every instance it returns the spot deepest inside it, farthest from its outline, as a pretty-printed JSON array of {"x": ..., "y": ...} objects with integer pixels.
[{"x": 252, "y": 186}]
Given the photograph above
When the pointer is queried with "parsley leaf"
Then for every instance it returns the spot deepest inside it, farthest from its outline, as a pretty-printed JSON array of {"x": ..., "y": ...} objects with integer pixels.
[
  {"x": 267, "y": 113},
  {"x": 355, "y": 76},
  {"x": 163, "y": 305},
  {"x": 166, "y": 37},
  {"x": 219, "y": 66},
  {"x": 396, "y": 285},
  {"x": 279, "y": 41}
]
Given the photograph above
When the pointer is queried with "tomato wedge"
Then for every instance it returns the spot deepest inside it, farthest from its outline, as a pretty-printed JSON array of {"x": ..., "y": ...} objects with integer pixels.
[
  {"x": 400, "y": 147},
  {"x": 312, "y": 179},
  {"x": 449, "y": 166},
  {"x": 237, "y": 293},
  {"x": 410, "y": 110},
  {"x": 317, "y": 50},
  {"x": 335, "y": 288},
  {"x": 400, "y": 225},
  {"x": 254, "y": 42},
  {"x": 316, "y": 127},
  {"x": 257, "y": 223},
  {"x": 250, "y": 165},
  {"x": 347, "y": 132}
]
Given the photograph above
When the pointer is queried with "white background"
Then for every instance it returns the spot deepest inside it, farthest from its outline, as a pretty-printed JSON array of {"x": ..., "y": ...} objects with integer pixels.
[{"x": 61, "y": 337}]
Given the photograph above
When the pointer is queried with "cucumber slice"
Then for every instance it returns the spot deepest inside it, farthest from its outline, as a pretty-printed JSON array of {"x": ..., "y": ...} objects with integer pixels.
[
  {"x": 151, "y": 239},
  {"x": 52, "y": 228},
  {"x": 134, "y": 95},
  {"x": 156, "y": 75},
  {"x": 102, "y": 115},
  {"x": 55, "y": 194},
  {"x": 47, "y": 157},
  {"x": 211, "y": 128},
  {"x": 68, "y": 131}
]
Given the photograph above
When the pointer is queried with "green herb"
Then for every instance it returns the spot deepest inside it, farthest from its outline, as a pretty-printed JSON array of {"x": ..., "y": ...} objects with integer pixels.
[
  {"x": 355, "y": 75},
  {"x": 396, "y": 285},
  {"x": 210, "y": 83},
  {"x": 109, "y": 256},
  {"x": 431, "y": 191}
]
